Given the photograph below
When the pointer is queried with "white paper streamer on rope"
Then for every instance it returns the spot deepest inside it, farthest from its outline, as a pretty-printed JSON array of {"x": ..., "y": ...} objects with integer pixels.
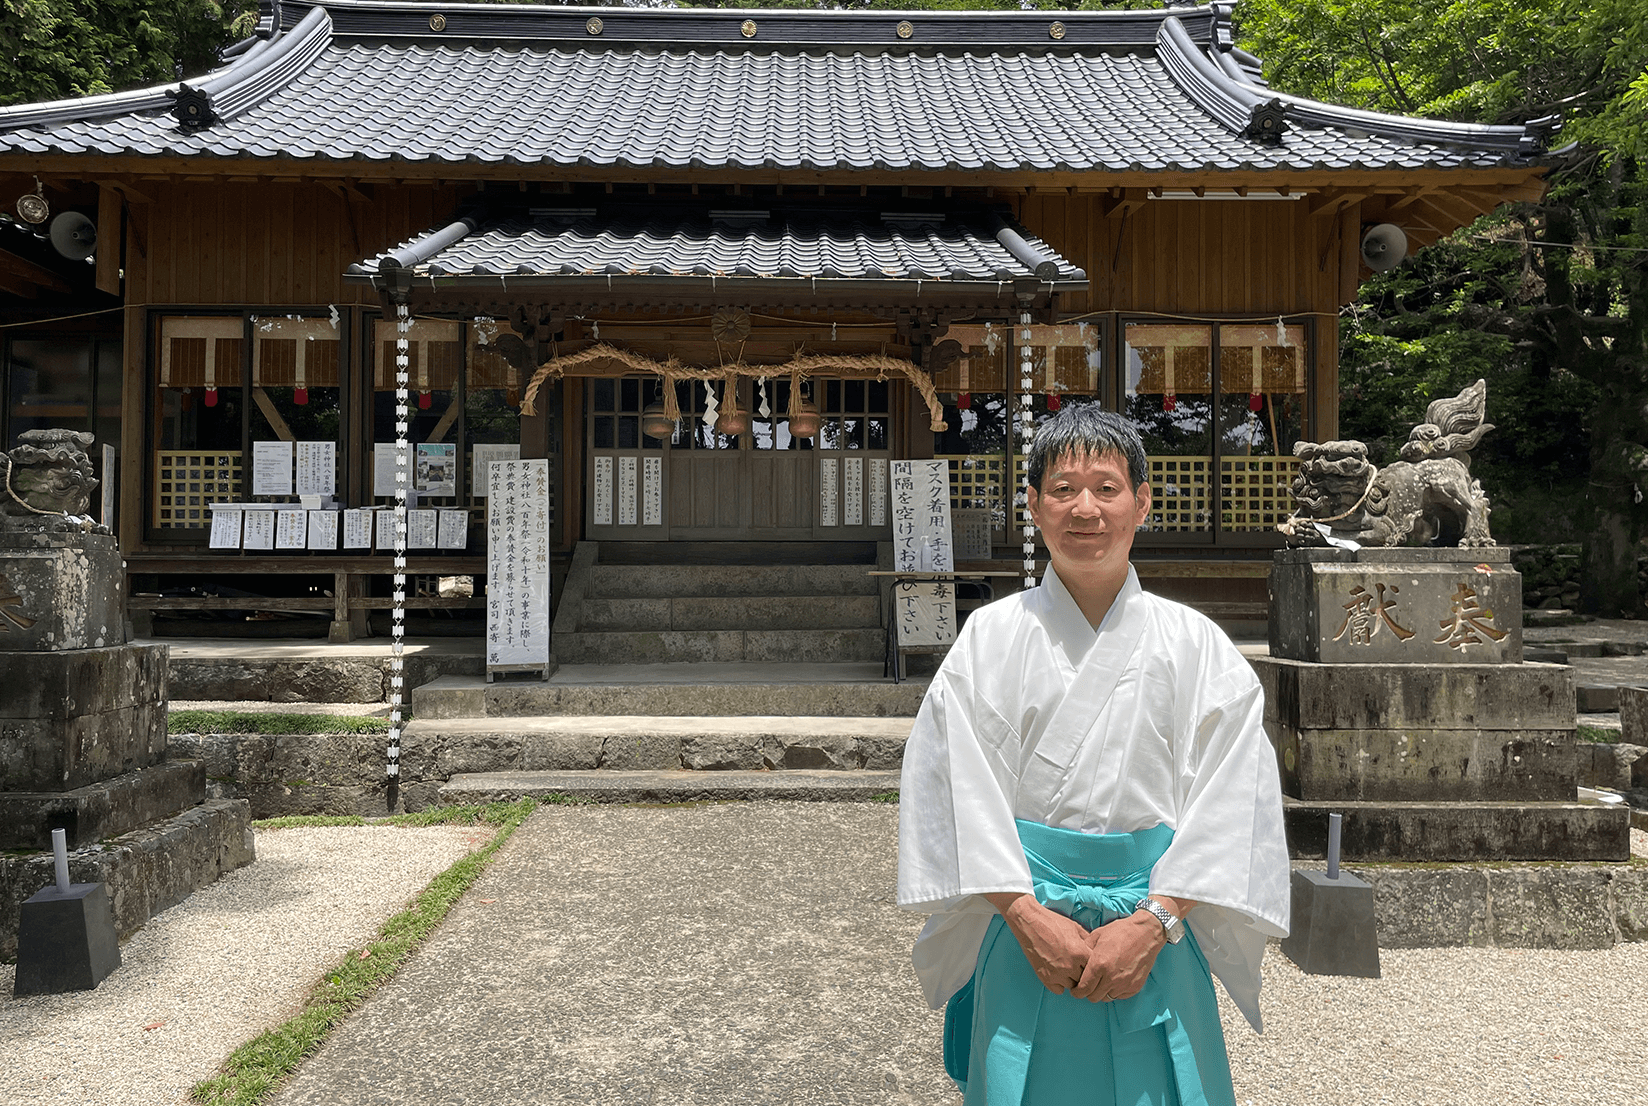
[
  {"x": 765, "y": 409},
  {"x": 397, "y": 625},
  {"x": 709, "y": 405}
]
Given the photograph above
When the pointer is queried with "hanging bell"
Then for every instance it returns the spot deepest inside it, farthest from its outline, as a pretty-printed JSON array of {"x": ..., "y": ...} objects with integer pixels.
[
  {"x": 806, "y": 421},
  {"x": 731, "y": 421},
  {"x": 656, "y": 424}
]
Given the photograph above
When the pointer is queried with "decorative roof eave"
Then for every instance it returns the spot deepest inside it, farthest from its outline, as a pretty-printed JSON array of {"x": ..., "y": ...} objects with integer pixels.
[
  {"x": 646, "y": 286},
  {"x": 1236, "y": 82},
  {"x": 773, "y": 28},
  {"x": 1237, "y": 106}
]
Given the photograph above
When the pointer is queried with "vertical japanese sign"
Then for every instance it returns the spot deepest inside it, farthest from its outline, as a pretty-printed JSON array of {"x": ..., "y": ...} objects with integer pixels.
[
  {"x": 878, "y": 491},
  {"x": 626, "y": 491},
  {"x": 926, "y": 612},
  {"x": 852, "y": 491},
  {"x": 317, "y": 468},
  {"x": 829, "y": 492},
  {"x": 601, "y": 500},
  {"x": 652, "y": 494},
  {"x": 517, "y": 565}
]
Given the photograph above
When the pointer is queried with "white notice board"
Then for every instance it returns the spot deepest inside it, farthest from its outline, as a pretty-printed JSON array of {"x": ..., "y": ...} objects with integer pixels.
[
  {"x": 921, "y": 543},
  {"x": 517, "y": 566},
  {"x": 271, "y": 468}
]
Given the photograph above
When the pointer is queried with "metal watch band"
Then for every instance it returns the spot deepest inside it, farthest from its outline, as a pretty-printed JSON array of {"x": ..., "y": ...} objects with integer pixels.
[{"x": 1170, "y": 924}]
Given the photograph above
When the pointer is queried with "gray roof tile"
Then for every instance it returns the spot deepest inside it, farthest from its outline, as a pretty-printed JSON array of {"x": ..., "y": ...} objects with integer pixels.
[
  {"x": 364, "y": 79},
  {"x": 795, "y": 244}
]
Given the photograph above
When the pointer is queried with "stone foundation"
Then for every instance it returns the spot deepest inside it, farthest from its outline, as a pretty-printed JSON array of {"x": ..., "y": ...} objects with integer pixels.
[{"x": 145, "y": 871}]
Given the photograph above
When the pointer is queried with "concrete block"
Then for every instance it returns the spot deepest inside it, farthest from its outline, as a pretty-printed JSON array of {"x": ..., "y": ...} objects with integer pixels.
[
  {"x": 1410, "y": 765},
  {"x": 107, "y": 808},
  {"x": 61, "y": 591},
  {"x": 1420, "y": 908},
  {"x": 1310, "y": 696},
  {"x": 1461, "y": 832},
  {"x": 1333, "y": 930},
  {"x": 65, "y": 941},
  {"x": 1396, "y": 606},
  {"x": 449, "y": 697},
  {"x": 278, "y": 681},
  {"x": 1543, "y": 908},
  {"x": 1631, "y": 903},
  {"x": 558, "y": 752},
  {"x": 1596, "y": 699},
  {"x": 675, "y": 786},
  {"x": 1633, "y": 715},
  {"x": 823, "y": 751}
]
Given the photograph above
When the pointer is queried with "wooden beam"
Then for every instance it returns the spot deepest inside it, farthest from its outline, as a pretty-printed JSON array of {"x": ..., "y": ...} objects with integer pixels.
[
  {"x": 127, "y": 190},
  {"x": 21, "y": 268},
  {"x": 17, "y": 286},
  {"x": 109, "y": 206},
  {"x": 1130, "y": 200},
  {"x": 1410, "y": 197},
  {"x": 1350, "y": 252},
  {"x": 1333, "y": 202}
]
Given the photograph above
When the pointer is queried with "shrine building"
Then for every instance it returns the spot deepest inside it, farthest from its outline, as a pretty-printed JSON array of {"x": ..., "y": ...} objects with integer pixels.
[{"x": 720, "y": 267}]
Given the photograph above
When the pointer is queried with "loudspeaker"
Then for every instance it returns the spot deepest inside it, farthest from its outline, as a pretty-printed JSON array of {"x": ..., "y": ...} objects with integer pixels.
[
  {"x": 1384, "y": 247},
  {"x": 74, "y": 236}
]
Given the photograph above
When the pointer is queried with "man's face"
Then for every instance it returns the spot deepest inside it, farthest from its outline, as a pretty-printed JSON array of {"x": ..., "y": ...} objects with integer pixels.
[{"x": 1087, "y": 512}]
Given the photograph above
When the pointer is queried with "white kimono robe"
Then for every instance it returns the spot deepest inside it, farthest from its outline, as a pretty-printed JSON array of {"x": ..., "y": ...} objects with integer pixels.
[{"x": 1153, "y": 718}]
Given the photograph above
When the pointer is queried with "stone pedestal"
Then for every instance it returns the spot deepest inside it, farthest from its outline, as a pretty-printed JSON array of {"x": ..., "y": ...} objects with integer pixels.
[
  {"x": 61, "y": 591},
  {"x": 1395, "y": 694},
  {"x": 83, "y": 733}
]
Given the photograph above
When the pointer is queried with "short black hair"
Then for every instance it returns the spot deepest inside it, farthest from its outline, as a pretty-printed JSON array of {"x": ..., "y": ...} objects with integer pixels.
[{"x": 1086, "y": 430}]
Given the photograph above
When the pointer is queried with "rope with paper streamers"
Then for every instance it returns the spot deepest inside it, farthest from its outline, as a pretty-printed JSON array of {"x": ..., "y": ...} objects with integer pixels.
[
  {"x": 397, "y": 625},
  {"x": 1027, "y": 430},
  {"x": 797, "y": 369}
]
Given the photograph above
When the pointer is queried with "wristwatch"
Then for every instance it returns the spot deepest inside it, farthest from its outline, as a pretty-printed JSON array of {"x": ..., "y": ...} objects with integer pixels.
[{"x": 1170, "y": 923}]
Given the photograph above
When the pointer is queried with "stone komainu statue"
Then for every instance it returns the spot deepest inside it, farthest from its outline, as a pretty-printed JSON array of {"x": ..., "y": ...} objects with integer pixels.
[
  {"x": 45, "y": 478},
  {"x": 1427, "y": 498}
]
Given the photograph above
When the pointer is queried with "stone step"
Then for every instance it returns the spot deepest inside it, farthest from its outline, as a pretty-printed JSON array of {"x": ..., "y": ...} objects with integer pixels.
[
  {"x": 608, "y": 581},
  {"x": 815, "y": 785},
  {"x": 725, "y": 646},
  {"x": 1455, "y": 832},
  {"x": 448, "y": 747},
  {"x": 106, "y": 808},
  {"x": 695, "y": 690},
  {"x": 778, "y": 612}
]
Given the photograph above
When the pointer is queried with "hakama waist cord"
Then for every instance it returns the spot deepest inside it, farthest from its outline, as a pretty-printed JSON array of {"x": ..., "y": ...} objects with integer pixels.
[{"x": 1009, "y": 1041}]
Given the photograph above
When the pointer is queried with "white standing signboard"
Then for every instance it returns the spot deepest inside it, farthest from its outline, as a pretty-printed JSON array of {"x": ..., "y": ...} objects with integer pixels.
[
  {"x": 225, "y": 526},
  {"x": 517, "y": 567},
  {"x": 926, "y": 612}
]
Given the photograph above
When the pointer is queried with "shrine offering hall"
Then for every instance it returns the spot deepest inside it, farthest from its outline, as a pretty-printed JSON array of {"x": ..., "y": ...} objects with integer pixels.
[{"x": 719, "y": 271}]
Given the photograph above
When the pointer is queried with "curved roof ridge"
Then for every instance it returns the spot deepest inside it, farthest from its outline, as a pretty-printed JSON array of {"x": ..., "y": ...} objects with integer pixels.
[
  {"x": 1238, "y": 106},
  {"x": 262, "y": 68},
  {"x": 257, "y": 73},
  {"x": 1524, "y": 139}
]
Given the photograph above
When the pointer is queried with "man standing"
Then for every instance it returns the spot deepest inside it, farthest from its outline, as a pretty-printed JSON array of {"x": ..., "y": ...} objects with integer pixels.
[{"x": 1088, "y": 779}]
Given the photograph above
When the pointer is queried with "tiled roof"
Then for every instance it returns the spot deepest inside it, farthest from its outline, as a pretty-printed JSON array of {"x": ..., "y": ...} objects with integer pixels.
[
  {"x": 372, "y": 81},
  {"x": 546, "y": 245}
]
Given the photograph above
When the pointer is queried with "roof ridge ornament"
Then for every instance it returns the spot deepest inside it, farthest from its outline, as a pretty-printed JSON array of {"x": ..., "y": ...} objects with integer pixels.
[
  {"x": 192, "y": 107},
  {"x": 1267, "y": 122}
]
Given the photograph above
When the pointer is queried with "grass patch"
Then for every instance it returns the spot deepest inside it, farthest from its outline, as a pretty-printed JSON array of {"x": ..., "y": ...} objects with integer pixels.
[
  {"x": 257, "y": 1068},
  {"x": 1597, "y": 735},
  {"x": 234, "y": 721},
  {"x": 885, "y": 797},
  {"x": 465, "y": 814}
]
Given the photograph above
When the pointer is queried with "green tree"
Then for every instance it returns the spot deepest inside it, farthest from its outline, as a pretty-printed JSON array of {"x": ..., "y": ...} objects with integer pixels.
[
  {"x": 53, "y": 49},
  {"x": 1548, "y": 301}
]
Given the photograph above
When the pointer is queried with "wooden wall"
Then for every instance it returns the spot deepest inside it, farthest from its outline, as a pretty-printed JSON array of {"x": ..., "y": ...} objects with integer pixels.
[{"x": 262, "y": 243}]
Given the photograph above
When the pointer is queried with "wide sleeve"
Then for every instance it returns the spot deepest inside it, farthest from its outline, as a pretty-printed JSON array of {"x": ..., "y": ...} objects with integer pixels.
[
  {"x": 1229, "y": 851},
  {"x": 956, "y": 836}
]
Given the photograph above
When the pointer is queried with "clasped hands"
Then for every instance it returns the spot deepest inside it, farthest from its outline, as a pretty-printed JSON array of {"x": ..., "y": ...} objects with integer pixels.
[{"x": 1108, "y": 963}]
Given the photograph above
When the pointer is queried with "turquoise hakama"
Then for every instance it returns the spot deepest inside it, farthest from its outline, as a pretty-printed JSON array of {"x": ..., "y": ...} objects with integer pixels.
[{"x": 1009, "y": 1041}]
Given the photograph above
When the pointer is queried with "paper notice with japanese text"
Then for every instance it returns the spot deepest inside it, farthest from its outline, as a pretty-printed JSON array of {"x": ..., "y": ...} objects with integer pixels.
[
  {"x": 517, "y": 562},
  {"x": 921, "y": 543}
]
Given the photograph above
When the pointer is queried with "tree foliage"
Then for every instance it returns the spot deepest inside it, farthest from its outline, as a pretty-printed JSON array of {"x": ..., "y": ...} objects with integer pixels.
[
  {"x": 53, "y": 49},
  {"x": 1547, "y": 301}
]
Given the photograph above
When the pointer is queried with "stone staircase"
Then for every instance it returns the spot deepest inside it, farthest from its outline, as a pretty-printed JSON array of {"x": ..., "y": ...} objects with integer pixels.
[
  {"x": 639, "y": 613},
  {"x": 662, "y": 732}
]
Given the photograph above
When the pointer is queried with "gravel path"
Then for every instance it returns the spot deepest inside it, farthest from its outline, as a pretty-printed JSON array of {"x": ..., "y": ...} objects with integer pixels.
[
  {"x": 1464, "y": 1027},
  {"x": 216, "y": 970}
]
